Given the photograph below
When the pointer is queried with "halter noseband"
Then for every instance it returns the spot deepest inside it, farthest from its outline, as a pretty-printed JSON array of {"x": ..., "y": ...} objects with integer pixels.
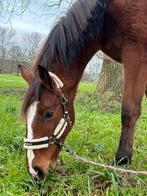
[{"x": 34, "y": 144}]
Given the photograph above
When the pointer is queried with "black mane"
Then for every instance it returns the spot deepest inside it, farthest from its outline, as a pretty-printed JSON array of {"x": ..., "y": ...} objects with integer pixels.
[{"x": 72, "y": 32}]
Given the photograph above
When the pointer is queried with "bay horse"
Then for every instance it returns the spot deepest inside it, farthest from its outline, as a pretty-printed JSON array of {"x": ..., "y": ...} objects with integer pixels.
[{"x": 119, "y": 29}]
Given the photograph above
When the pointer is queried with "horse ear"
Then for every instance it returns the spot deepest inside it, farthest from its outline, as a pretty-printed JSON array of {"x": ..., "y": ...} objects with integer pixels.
[
  {"x": 27, "y": 76},
  {"x": 45, "y": 77}
]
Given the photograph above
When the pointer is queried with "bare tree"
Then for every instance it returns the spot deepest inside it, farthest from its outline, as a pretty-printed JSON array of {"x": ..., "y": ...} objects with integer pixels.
[
  {"x": 16, "y": 57},
  {"x": 31, "y": 44},
  {"x": 13, "y": 7},
  {"x": 6, "y": 35},
  {"x": 93, "y": 67},
  {"x": 44, "y": 8}
]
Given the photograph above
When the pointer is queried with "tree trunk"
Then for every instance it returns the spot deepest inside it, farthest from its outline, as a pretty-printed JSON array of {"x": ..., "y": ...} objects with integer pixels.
[{"x": 110, "y": 79}]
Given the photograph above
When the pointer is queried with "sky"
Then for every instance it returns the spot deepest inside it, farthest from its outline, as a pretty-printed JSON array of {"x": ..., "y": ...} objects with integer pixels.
[{"x": 39, "y": 16}]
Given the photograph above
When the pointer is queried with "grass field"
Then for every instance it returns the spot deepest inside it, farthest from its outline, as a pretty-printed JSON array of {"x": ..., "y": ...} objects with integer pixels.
[{"x": 94, "y": 136}]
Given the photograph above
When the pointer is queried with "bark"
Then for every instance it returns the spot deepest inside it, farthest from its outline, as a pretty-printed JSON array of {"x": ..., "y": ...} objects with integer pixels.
[{"x": 110, "y": 79}]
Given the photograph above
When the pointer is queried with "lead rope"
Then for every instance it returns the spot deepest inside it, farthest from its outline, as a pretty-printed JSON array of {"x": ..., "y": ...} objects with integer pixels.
[{"x": 84, "y": 160}]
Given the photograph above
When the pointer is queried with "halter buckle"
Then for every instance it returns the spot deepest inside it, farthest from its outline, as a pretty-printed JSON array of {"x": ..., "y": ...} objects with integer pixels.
[
  {"x": 63, "y": 100},
  {"x": 51, "y": 140}
]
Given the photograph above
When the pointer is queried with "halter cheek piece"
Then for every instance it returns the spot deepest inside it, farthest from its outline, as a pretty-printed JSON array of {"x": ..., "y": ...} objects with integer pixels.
[{"x": 34, "y": 144}]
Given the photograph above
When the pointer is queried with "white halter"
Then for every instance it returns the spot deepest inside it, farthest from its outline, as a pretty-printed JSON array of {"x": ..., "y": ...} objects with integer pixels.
[
  {"x": 34, "y": 144},
  {"x": 56, "y": 79}
]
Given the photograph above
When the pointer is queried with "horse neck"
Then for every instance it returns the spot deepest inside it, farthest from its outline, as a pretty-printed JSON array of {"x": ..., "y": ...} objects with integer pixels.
[{"x": 72, "y": 77}]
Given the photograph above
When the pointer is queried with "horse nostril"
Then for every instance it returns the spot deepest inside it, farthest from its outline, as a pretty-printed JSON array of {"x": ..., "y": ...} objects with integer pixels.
[{"x": 39, "y": 173}]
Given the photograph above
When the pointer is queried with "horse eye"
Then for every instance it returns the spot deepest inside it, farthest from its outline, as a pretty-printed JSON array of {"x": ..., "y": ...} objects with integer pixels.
[{"x": 48, "y": 115}]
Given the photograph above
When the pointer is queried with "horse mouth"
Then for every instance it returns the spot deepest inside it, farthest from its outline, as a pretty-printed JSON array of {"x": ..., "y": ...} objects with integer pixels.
[{"x": 40, "y": 174}]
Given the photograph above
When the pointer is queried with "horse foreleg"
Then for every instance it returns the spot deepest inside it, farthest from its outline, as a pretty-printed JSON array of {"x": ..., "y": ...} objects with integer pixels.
[{"x": 135, "y": 74}]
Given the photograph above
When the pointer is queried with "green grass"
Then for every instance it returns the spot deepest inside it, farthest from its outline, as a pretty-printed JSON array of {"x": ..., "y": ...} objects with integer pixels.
[
  {"x": 14, "y": 81},
  {"x": 87, "y": 87},
  {"x": 95, "y": 136}
]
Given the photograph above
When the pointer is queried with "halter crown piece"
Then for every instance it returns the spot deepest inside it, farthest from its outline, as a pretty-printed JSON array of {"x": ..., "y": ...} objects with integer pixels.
[{"x": 40, "y": 143}]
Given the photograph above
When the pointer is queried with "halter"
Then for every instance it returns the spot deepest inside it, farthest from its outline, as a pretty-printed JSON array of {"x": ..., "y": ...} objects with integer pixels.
[{"x": 40, "y": 143}]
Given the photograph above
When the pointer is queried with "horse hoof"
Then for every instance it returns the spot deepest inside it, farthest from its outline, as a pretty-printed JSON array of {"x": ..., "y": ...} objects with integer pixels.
[{"x": 121, "y": 161}]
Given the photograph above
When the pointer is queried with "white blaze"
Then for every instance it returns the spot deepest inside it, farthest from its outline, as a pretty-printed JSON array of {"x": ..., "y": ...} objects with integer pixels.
[{"x": 30, "y": 117}]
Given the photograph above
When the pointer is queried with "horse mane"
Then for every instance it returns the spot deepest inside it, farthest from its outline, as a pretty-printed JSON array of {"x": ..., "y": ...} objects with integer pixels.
[
  {"x": 66, "y": 40},
  {"x": 71, "y": 33}
]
